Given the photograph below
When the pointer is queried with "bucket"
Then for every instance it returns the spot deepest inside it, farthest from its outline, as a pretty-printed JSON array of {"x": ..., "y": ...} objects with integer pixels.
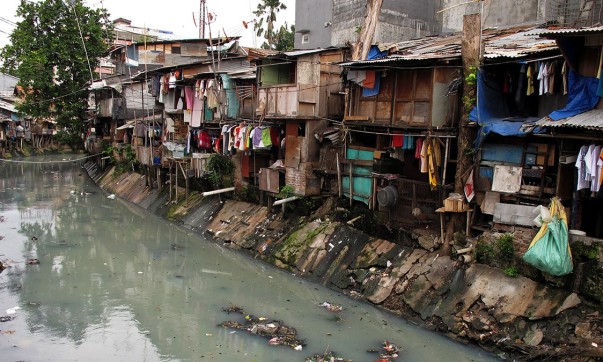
[{"x": 387, "y": 196}]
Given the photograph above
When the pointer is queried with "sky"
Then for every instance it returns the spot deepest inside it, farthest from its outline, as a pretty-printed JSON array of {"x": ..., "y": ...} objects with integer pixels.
[{"x": 175, "y": 16}]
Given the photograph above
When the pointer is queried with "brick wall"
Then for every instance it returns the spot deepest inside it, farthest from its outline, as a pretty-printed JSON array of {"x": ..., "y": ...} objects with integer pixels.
[
  {"x": 303, "y": 179},
  {"x": 523, "y": 236}
]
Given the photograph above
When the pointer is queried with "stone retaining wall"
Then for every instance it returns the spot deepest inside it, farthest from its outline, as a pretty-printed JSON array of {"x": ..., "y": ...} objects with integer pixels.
[{"x": 472, "y": 302}]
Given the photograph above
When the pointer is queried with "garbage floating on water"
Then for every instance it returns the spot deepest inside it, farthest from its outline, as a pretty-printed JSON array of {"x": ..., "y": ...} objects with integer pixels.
[
  {"x": 233, "y": 309},
  {"x": 112, "y": 197},
  {"x": 326, "y": 357},
  {"x": 32, "y": 261},
  {"x": 12, "y": 310},
  {"x": 388, "y": 352},
  {"x": 6, "y": 318},
  {"x": 276, "y": 331},
  {"x": 331, "y": 307}
]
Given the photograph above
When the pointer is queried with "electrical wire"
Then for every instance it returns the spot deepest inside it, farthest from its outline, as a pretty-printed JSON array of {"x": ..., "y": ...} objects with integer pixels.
[{"x": 50, "y": 162}]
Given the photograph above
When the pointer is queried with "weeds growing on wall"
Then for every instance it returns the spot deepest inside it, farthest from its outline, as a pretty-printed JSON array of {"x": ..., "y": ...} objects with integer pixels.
[
  {"x": 500, "y": 253},
  {"x": 124, "y": 158},
  {"x": 220, "y": 171}
]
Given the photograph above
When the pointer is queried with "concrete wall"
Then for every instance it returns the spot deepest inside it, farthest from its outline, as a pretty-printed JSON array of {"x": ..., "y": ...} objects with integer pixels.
[
  {"x": 399, "y": 20},
  {"x": 496, "y": 13},
  {"x": 312, "y": 16}
]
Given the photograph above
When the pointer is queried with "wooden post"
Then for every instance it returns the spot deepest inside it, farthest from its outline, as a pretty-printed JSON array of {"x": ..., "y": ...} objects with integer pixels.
[
  {"x": 471, "y": 56},
  {"x": 338, "y": 172},
  {"x": 171, "y": 180},
  {"x": 351, "y": 184},
  {"x": 186, "y": 183},
  {"x": 446, "y": 153},
  {"x": 158, "y": 171},
  {"x": 367, "y": 32}
]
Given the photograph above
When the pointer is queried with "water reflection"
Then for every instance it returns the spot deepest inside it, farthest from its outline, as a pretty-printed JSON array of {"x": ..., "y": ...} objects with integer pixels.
[{"x": 115, "y": 282}]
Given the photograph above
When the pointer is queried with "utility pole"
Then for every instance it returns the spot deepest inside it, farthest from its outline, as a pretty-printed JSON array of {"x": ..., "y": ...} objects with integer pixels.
[
  {"x": 202, "y": 19},
  {"x": 471, "y": 54}
]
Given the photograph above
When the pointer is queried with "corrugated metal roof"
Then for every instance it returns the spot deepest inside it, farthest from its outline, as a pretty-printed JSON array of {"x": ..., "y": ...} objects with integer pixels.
[
  {"x": 592, "y": 119},
  {"x": 573, "y": 31},
  {"x": 513, "y": 43},
  {"x": 297, "y": 53},
  {"x": 8, "y": 106}
]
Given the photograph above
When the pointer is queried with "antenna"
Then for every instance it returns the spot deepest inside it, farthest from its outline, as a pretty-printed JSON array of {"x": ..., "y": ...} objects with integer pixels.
[{"x": 202, "y": 19}]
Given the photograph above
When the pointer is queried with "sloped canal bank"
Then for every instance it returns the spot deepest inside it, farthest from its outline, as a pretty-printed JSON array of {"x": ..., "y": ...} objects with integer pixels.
[
  {"x": 117, "y": 283},
  {"x": 518, "y": 317}
]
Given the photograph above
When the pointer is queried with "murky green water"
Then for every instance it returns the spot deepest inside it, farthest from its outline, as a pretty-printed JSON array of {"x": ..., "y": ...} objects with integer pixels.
[{"x": 115, "y": 283}]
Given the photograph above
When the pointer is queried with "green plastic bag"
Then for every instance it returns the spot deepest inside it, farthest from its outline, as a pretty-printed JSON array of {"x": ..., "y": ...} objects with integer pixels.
[{"x": 551, "y": 253}]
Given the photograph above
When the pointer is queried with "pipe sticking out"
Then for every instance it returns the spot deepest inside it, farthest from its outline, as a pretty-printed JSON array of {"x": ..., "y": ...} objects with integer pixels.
[
  {"x": 465, "y": 250},
  {"x": 284, "y": 201},
  {"x": 220, "y": 191}
]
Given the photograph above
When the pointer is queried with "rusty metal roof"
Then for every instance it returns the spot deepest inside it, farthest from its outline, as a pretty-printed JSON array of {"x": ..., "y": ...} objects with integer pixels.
[
  {"x": 573, "y": 31},
  {"x": 592, "y": 119},
  {"x": 514, "y": 43}
]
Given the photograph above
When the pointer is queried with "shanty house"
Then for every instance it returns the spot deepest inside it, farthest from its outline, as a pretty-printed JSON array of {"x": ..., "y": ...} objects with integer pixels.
[{"x": 298, "y": 93}]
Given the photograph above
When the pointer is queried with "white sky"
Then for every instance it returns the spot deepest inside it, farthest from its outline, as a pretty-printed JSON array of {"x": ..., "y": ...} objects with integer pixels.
[{"x": 175, "y": 16}]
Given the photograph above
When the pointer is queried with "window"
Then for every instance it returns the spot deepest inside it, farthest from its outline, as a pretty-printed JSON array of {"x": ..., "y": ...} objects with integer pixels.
[
  {"x": 305, "y": 38},
  {"x": 277, "y": 74}
]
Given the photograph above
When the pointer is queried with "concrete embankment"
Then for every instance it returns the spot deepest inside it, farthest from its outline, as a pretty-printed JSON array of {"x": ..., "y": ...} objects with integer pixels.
[{"x": 514, "y": 316}]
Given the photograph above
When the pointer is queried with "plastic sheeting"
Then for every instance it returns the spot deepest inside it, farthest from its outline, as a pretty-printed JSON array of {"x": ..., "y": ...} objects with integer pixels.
[
  {"x": 582, "y": 96},
  {"x": 492, "y": 114}
]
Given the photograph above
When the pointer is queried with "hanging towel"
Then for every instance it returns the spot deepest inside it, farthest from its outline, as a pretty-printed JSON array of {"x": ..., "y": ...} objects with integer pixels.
[
  {"x": 530, "y": 79},
  {"x": 197, "y": 116},
  {"x": 397, "y": 141},
  {"x": 409, "y": 143},
  {"x": 564, "y": 76},
  {"x": 189, "y": 95},
  {"x": 371, "y": 84},
  {"x": 418, "y": 148}
]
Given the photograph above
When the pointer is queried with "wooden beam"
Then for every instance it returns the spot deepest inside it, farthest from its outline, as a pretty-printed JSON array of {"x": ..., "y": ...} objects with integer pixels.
[
  {"x": 367, "y": 32},
  {"x": 356, "y": 118}
]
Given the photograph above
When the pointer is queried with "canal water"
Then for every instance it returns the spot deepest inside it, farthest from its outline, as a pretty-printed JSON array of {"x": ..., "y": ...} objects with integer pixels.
[{"x": 115, "y": 283}]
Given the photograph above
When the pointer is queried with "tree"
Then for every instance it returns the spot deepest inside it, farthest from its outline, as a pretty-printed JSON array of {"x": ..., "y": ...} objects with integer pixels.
[
  {"x": 266, "y": 12},
  {"x": 54, "y": 50},
  {"x": 284, "y": 39}
]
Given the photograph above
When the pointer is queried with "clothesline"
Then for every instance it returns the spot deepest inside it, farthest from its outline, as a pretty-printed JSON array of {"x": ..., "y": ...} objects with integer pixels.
[
  {"x": 400, "y": 134},
  {"x": 524, "y": 61}
]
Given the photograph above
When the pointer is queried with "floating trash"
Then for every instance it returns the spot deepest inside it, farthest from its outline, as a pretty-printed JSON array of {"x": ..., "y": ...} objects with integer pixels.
[
  {"x": 12, "y": 310},
  {"x": 32, "y": 261},
  {"x": 112, "y": 197},
  {"x": 331, "y": 307},
  {"x": 276, "y": 331},
  {"x": 388, "y": 352},
  {"x": 6, "y": 318},
  {"x": 327, "y": 357},
  {"x": 233, "y": 309}
]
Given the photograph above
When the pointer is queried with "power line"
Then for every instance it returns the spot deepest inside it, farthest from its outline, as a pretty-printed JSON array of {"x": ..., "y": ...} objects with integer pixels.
[
  {"x": 49, "y": 162},
  {"x": 4, "y": 20}
]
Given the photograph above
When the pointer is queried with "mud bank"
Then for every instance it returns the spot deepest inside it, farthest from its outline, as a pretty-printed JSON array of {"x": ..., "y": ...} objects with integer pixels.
[{"x": 516, "y": 317}]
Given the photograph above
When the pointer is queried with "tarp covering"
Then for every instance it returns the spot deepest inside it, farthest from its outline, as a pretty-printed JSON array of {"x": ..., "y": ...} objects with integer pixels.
[
  {"x": 493, "y": 114},
  {"x": 582, "y": 96}
]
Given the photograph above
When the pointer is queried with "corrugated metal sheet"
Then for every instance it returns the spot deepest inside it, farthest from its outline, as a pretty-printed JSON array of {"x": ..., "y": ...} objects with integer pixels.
[
  {"x": 514, "y": 43},
  {"x": 592, "y": 119},
  {"x": 574, "y": 31},
  {"x": 8, "y": 106},
  {"x": 297, "y": 53}
]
